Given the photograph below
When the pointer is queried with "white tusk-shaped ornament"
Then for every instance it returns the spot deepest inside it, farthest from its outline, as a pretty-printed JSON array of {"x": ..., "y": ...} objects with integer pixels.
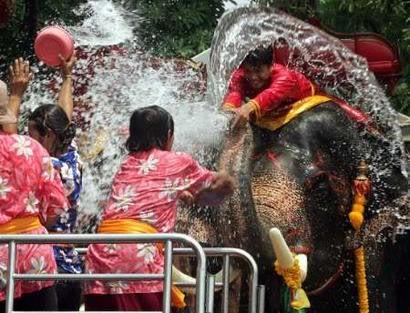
[
  {"x": 179, "y": 277},
  {"x": 284, "y": 255},
  {"x": 303, "y": 266}
]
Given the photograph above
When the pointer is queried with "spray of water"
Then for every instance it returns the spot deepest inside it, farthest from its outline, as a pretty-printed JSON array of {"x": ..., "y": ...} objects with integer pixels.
[
  {"x": 106, "y": 24},
  {"x": 321, "y": 57},
  {"x": 114, "y": 81},
  {"x": 113, "y": 77}
]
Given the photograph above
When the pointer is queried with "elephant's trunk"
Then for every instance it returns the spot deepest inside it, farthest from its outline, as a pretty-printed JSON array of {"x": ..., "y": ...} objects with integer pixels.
[{"x": 238, "y": 217}]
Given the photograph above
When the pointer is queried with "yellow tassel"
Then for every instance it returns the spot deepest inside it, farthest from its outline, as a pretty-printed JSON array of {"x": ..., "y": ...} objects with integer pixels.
[
  {"x": 177, "y": 298},
  {"x": 361, "y": 280},
  {"x": 356, "y": 219},
  {"x": 361, "y": 187}
]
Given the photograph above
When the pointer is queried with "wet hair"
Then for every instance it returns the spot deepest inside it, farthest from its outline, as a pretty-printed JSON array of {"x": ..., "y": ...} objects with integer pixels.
[
  {"x": 258, "y": 57},
  {"x": 50, "y": 117},
  {"x": 149, "y": 129}
]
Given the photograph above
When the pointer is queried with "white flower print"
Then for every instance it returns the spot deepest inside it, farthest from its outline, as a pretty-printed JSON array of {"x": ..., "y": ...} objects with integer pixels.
[
  {"x": 110, "y": 248},
  {"x": 170, "y": 189},
  {"x": 31, "y": 203},
  {"x": 38, "y": 265},
  {"x": 22, "y": 146},
  {"x": 4, "y": 188},
  {"x": 66, "y": 172},
  {"x": 148, "y": 165},
  {"x": 117, "y": 287},
  {"x": 64, "y": 215},
  {"x": 124, "y": 198},
  {"x": 186, "y": 183},
  {"x": 147, "y": 251},
  {"x": 148, "y": 217},
  {"x": 3, "y": 276},
  {"x": 207, "y": 183},
  {"x": 48, "y": 169}
]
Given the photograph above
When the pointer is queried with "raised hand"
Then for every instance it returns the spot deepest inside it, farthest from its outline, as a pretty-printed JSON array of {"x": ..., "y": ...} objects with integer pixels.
[
  {"x": 65, "y": 97},
  {"x": 67, "y": 65},
  {"x": 20, "y": 77}
]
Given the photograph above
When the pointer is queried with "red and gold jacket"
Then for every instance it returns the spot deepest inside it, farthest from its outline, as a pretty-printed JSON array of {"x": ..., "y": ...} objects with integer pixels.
[{"x": 285, "y": 88}]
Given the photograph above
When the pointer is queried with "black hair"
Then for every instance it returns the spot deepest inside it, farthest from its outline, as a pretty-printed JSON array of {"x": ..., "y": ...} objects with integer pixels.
[
  {"x": 149, "y": 128},
  {"x": 259, "y": 56},
  {"x": 50, "y": 117}
]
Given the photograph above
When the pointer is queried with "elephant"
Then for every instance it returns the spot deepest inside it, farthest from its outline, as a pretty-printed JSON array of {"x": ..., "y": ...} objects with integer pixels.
[
  {"x": 305, "y": 191},
  {"x": 299, "y": 178}
]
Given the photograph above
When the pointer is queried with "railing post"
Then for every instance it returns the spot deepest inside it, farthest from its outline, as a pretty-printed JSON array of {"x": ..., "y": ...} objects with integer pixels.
[
  {"x": 167, "y": 277},
  {"x": 10, "y": 277},
  {"x": 225, "y": 293},
  {"x": 261, "y": 299},
  {"x": 200, "y": 278},
  {"x": 210, "y": 290}
]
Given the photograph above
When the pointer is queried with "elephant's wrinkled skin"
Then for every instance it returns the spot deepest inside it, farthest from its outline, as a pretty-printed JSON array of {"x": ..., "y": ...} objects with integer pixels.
[{"x": 303, "y": 187}]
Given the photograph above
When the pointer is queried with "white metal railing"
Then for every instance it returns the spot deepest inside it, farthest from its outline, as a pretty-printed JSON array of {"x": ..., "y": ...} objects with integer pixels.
[
  {"x": 167, "y": 238},
  {"x": 205, "y": 284},
  {"x": 256, "y": 293}
]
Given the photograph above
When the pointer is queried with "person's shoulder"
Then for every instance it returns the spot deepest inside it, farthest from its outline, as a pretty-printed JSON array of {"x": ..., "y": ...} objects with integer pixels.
[
  {"x": 16, "y": 141},
  {"x": 23, "y": 147},
  {"x": 182, "y": 157},
  {"x": 239, "y": 73}
]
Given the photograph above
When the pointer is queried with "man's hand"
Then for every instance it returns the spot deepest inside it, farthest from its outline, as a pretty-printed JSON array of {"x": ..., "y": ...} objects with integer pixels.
[
  {"x": 67, "y": 66},
  {"x": 243, "y": 115},
  {"x": 20, "y": 77}
]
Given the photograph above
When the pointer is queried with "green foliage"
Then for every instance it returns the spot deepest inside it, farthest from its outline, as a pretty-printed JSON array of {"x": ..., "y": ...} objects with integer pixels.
[
  {"x": 389, "y": 18},
  {"x": 177, "y": 27},
  {"x": 30, "y": 16}
]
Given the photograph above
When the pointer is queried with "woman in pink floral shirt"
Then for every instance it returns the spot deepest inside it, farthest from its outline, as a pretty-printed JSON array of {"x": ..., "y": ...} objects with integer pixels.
[
  {"x": 31, "y": 195},
  {"x": 147, "y": 188}
]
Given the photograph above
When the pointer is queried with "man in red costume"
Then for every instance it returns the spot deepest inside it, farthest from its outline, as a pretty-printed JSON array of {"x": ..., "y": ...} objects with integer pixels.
[
  {"x": 270, "y": 95},
  {"x": 261, "y": 86}
]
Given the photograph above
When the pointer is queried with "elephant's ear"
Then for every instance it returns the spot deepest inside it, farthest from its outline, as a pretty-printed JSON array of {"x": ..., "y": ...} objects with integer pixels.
[{"x": 394, "y": 218}]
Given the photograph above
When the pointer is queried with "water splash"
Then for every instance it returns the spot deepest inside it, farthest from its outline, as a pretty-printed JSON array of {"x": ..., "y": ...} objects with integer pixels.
[
  {"x": 137, "y": 80},
  {"x": 113, "y": 81},
  {"x": 113, "y": 77},
  {"x": 321, "y": 57},
  {"x": 106, "y": 24}
]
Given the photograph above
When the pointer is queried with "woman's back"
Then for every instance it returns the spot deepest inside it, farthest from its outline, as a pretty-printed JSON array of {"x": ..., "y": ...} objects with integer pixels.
[
  {"x": 30, "y": 192},
  {"x": 149, "y": 183},
  {"x": 27, "y": 179}
]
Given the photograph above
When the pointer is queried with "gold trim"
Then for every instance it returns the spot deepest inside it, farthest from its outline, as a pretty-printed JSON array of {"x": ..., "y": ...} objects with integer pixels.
[
  {"x": 273, "y": 123},
  {"x": 256, "y": 107},
  {"x": 228, "y": 106}
]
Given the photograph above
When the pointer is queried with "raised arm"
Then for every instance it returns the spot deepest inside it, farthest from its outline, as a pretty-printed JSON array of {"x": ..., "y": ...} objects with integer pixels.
[
  {"x": 65, "y": 97},
  {"x": 236, "y": 91},
  {"x": 20, "y": 77}
]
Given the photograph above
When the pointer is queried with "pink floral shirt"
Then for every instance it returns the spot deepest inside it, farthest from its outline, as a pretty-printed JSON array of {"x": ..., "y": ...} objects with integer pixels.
[
  {"x": 146, "y": 188},
  {"x": 28, "y": 187}
]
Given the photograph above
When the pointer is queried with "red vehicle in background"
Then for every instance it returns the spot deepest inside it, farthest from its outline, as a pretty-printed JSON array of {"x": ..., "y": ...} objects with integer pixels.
[{"x": 382, "y": 57}]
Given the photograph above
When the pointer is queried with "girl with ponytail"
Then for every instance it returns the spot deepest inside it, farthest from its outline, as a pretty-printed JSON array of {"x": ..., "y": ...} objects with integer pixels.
[{"x": 52, "y": 127}]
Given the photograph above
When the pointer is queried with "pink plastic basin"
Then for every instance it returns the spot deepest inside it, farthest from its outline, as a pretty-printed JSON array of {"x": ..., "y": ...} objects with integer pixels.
[{"x": 52, "y": 41}]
